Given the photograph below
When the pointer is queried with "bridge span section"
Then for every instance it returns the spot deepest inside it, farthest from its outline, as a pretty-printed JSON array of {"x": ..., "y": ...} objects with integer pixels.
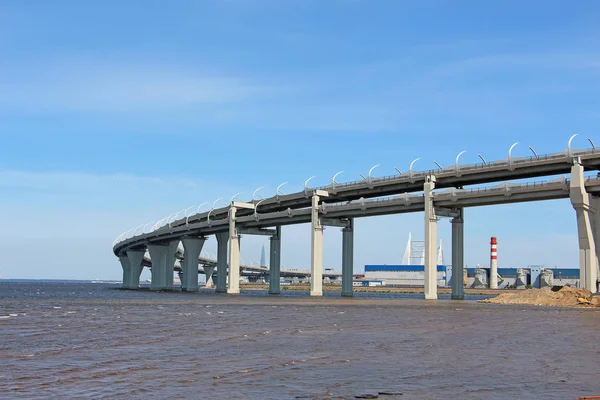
[{"x": 436, "y": 193}]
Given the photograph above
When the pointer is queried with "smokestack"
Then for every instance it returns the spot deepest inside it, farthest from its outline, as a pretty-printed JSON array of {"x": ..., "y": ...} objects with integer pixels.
[{"x": 493, "y": 264}]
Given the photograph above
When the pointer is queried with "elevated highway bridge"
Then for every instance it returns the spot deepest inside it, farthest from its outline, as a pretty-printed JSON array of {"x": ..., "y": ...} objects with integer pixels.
[{"x": 438, "y": 193}]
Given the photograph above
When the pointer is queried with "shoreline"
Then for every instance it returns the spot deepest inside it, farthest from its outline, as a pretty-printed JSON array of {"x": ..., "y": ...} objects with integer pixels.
[{"x": 379, "y": 289}]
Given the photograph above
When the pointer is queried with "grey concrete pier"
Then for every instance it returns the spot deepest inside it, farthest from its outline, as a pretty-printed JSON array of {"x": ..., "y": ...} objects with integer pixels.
[
  {"x": 316, "y": 265},
  {"x": 233, "y": 282},
  {"x": 586, "y": 216},
  {"x": 131, "y": 262},
  {"x": 348, "y": 258},
  {"x": 222, "y": 242},
  {"x": 458, "y": 248},
  {"x": 163, "y": 259},
  {"x": 192, "y": 247},
  {"x": 430, "y": 240},
  {"x": 275, "y": 262}
]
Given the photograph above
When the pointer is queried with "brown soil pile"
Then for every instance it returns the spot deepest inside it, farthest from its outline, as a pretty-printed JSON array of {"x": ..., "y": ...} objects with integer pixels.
[{"x": 555, "y": 296}]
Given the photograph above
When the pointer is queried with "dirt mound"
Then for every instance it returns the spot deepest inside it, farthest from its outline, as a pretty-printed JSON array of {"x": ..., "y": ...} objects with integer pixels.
[{"x": 554, "y": 296}]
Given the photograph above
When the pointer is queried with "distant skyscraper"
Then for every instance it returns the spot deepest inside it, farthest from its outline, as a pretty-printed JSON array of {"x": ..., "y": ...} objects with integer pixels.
[{"x": 263, "y": 259}]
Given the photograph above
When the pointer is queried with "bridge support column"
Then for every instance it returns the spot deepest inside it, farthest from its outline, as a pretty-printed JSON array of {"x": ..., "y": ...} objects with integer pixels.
[
  {"x": 275, "y": 262},
  {"x": 595, "y": 219},
  {"x": 222, "y": 240},
  {"x": 126, "y": 271},
  {"x": 233, "y": 285},
  {"x": 131, "y": 261},
  {"x": 163, "y": 260},
  {"x": 458, "y": 249},
  {"x": 348, "y": 258},
  {"x": 135, "y": 258},
  {"x": 208, "y": 272},
  {"x": 580, "y": 199},
  {"x": 316, "y": 264},
  {"x": 430, "y": 240},
  {"x": 192, "y": 246}
]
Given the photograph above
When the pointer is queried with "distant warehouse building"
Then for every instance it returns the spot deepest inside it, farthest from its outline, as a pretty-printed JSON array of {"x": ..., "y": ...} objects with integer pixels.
[
  {"x": 406, "y": 275},
  {"x": 414, "y": 275},
  {"x": 535, "y": 276}
]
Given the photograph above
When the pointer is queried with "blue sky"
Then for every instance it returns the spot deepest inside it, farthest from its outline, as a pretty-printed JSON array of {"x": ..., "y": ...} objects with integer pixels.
[{"x": 114, "y": 114}]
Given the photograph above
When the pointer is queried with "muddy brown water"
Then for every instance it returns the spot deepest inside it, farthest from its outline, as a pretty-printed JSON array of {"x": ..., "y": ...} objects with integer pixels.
[{"x": 93, "y": 341}]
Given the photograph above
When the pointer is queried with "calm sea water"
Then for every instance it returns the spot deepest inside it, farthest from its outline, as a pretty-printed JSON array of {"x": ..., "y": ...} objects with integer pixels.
[{"x": 77, "y": 340}]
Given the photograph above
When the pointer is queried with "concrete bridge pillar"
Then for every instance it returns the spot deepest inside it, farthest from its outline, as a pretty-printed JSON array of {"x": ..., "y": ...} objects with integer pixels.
[
  {"x": 163, "y": 260},
  {"x": 233, "y": 284},
  {"x": 458, "y": 248},
  {"x": 348, "y": 258},
  {"x": 581, "y": 201},
  {"x": 131, "y": 261},
  {"x": 192, "y": 247},
  {"x": 222, "y": 240},
  {"x": 135, "y": 258},
  {"x": 430, "y": 240},
  {"x": 126, "y": 271},
  {"x": 316, "y": 265},
  {"x": 208, "y": 271},
  {"x": 275, "y": 262},
  {"x": 595, "y": 219}
]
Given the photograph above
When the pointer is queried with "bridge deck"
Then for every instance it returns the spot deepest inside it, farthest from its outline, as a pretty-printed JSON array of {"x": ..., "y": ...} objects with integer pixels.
[
  {"x": 404, "y": 203},
  {"x": 458, "y": 176}
]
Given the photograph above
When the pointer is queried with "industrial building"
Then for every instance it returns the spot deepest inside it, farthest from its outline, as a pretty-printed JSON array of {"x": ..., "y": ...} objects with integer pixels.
[
  {"x": 404, "y": 275},
  {"x": 534, "y": 275}
]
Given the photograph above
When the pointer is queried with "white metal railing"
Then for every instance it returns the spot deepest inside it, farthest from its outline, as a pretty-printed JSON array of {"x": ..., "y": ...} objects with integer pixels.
[{"x": 452, "y": 170}]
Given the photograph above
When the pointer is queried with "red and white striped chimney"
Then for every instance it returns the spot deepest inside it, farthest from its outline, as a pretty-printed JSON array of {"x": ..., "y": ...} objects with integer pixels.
[{"x": 493, "y": 264}]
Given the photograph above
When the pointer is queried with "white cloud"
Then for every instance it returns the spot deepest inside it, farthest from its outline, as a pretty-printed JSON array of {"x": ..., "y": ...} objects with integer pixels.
[
  {"x": 78, "y": 86},
  {"x": 60, "y": 180}
]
